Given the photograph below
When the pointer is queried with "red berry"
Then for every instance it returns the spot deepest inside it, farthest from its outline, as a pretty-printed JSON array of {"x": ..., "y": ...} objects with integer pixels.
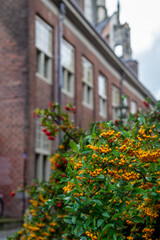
[
  {"x": 50, "y": 104},
  {"x": 12, "y": 194},
  {"x": 57, "y": 165}
]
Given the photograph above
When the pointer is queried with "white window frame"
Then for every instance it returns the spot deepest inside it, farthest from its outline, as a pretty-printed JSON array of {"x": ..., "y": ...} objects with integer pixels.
[
  {"x": 126, "y": 107},
  {"x": 87, "y": 87},
  {"x": 102, "y": 91},
  {"x": 133, "y": 107},
  {"x": 67, "y": 52},
  {"x": 42, "y": 153},
  {"x": 43, "y": 55},
  {"x": 115, "y": 102}
]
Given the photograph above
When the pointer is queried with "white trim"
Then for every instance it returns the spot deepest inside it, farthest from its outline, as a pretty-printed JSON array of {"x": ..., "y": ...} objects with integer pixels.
[
  {"x": 133, "y": 90},
  {"x": 51, "y": 6},
  {"x": 71, "y": 95},
  {"x": 87, "y": 105},
  {"x": 43, "y": 78}
]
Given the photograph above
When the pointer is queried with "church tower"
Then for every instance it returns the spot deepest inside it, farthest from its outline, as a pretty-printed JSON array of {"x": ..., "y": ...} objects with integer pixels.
[{"x": 101, "y": 11}]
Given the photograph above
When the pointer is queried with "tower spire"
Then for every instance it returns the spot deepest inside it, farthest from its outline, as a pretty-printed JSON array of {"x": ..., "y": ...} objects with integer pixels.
[{"x": 118, "y": 11}]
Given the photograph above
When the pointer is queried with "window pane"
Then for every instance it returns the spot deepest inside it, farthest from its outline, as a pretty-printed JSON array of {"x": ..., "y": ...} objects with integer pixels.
[
  {"x": 133, "y": 107},
  {"x": 46, "y": 168},
  {"x": 67, "y": 53},
  {"x": 89, "y": 95},
  {"x": 46, "y": 66},
  {"x": 102, "y": 107},
  {"x": 38, "y": 134},
  {"x": 38, "y": 62},
  {"x": 115, "y": 96},
  {"x": 125, "y": 101},
  {"x": 69, "y": 82},
  {"x": 87, "y": 70},
  {"x": 102, "y": 86},
  {"x": 84, "y": 92},
  {"x": 43, "y": 36}
]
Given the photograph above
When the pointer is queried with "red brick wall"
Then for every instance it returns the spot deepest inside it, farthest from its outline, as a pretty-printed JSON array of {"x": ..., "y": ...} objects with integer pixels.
[
  {"x": 40, "y": 92},
  {"x": 13, "y": 84}
]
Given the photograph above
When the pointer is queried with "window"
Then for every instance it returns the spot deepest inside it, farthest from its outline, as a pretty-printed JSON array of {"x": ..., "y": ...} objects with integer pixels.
[
  {"x": 115, "y": 102},
  {"x": 133, "y": 107},
  {"x": 87, "y": 79},
  {"x": 68, "y": 64},
  {"x": 125, "y": 108},
  {"x": 43, "y": 41},
  {"x": 102, "y": 90},
  {"x": 43, "y": 151}
]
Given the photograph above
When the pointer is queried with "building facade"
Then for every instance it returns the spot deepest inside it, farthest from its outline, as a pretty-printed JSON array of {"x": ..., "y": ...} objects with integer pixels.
[{"x": 53, "y": 51}]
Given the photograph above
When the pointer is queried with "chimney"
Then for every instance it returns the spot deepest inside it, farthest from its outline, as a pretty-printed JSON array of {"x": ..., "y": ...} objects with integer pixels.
[{"x": 132, "y": 65}]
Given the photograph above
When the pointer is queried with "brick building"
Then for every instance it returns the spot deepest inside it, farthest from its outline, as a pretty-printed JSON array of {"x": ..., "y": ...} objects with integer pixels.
[{"x": 87, "y": 73}]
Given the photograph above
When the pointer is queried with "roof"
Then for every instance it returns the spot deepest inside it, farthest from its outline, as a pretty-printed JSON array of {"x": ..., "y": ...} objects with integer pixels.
[{"x": 99, "y": 27}]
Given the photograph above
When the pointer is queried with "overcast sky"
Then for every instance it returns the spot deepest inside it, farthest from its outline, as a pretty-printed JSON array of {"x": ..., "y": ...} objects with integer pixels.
[{"x": 143, "y": 17}]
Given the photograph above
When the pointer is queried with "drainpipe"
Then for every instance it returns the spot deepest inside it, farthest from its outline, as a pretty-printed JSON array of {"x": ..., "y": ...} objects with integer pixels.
[
  {"x": 24, "y": 182},
  {"x": 60, "y": 36},
  {"x": 121, "y": 94}
]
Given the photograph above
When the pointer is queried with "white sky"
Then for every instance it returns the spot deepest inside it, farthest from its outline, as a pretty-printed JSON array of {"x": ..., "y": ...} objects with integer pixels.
[{"x": 143, "y": 17}]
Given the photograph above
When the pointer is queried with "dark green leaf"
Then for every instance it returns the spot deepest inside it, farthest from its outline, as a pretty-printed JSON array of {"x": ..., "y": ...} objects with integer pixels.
[
  {"x": 138, "y": 219},
  {"x": 141, "y": 119},
  {"x": 77, "y": 184},
  {"x": 106, "y": 214},
  {"x": 98, "y": 202},
  {"x": 74, "y": 219},
  {"x": 100, "y": 222},
  {"x": 74, "y": 146}
]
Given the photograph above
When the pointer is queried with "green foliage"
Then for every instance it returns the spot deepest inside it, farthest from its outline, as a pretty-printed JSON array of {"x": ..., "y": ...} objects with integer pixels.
[{"x": 111, "y": 187}]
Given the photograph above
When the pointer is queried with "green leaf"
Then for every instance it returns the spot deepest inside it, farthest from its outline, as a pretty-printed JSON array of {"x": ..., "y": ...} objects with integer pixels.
[
  {"x": 77, "y": 185},
  {"x": 89, "y": 221},
  {"x": 106, "y": 214},
  {"x": 125, "y": 134},
  {"x": 94, "y": 129},
  {"x": 100, "y": 222},
  {"x": 153, "y": 166},
  {"x": 71, "y": 172},
  {"x": 116, "y": 215},
  {"x": 109, "y": 225},
  {"x": 74, "y": 219},
  {"x": 138, "y": 219},
  {"x": 110, "y": 123},
  {"x": 138, "y": 191},
  {"x": 94, "y": 222},
  {"x": 141, "y": 119},
  {"x": 67, "y": 220},
  {"x": 74, "y": 146},
  {"x": 115, "y": 236},
  {"x": 134, "y": 130},
  {"x": 122, "y": 206},
  {"x": 101, "y": 176},
  {"x": 98, "y": 202},
  {"x": 105, "y": 125}
]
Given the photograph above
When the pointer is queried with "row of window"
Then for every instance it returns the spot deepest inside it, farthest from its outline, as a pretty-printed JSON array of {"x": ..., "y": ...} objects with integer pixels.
[
  {"x": 44, "y": 49},
  {"x": 44, "y": 70}
]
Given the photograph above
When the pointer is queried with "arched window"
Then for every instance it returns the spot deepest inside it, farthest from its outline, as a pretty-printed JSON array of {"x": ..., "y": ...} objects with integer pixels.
[{"x": 118, "y": 50}]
